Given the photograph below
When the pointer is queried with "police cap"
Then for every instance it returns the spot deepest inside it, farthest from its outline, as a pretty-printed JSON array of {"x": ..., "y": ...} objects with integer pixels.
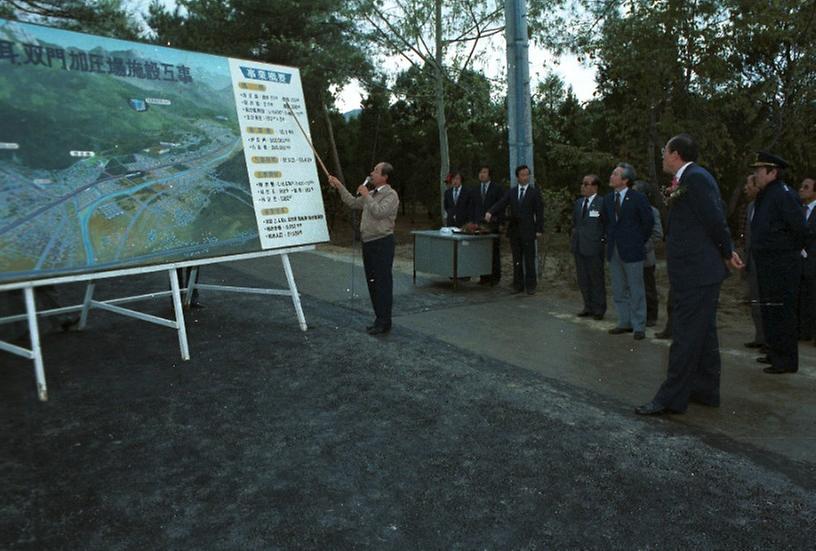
[{"x": 769, "y": 160}]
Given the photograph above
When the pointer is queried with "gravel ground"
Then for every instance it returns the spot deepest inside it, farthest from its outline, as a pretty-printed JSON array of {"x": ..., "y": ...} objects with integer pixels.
[{"x": 271, "y": 438}]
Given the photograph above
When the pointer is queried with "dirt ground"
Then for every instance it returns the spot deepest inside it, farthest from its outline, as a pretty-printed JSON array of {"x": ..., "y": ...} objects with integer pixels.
[{"x": 273, "y": 438}]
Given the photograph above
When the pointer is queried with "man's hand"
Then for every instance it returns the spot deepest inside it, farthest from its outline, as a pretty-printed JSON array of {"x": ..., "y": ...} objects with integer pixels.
[
  {"x": 539, "y": 234},
  {"x": 362, "y": 190},
  {"x": 335, "y": 183},
  {"x": 735, "y": 261},
  {"x": 488, "y": 216}
]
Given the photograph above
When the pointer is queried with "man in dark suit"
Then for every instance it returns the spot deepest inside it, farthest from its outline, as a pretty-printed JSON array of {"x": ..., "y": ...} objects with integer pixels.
[
  {"x": 698, "y": 245},
  {"x": 484, "y": 197},
  {"x": 778, "y": 235},
  {"x": 588, "y": 249},
  {"x": 807, "y": 287},
  {"x": 458, "y": 207},
  {"x": 628, "y": 223},
  {"x": 524, "y": 223}
]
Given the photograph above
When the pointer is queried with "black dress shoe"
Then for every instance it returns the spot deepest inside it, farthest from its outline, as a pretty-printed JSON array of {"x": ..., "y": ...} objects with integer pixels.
[
  {"x": 652, "y": 408},
  {"x": 378, "y": 330},
  {"x": 598, "y": 316},
  {"x": 640, "y": 335},
  {"x": 620, "y": 330},
  {"x": 663, "y": 335},
  {"x": 764, "y": 360},
  {"x": 753, "y": 344},
  {"x": 584, "y": 314},
  {"x": 777, "y": 370}
]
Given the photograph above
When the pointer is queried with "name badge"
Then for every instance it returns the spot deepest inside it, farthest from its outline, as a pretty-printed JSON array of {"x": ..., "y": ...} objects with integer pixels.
[{"x": 594, "y": 213}]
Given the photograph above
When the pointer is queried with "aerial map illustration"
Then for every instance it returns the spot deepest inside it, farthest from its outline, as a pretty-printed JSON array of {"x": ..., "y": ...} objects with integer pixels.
[{"x": 115, "y": 154}]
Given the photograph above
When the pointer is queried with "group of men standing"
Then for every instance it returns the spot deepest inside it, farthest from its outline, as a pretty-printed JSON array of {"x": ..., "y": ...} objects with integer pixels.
[
  {"x": 780, "y": 253},
  {"x": 619, "y": 226},
  {"x": 465, "y": 205},
  {"x": 520, "y": 207}
]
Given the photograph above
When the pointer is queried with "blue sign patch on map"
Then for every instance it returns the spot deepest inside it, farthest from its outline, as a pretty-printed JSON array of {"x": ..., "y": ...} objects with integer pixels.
[{"x": 268, "y": 76}]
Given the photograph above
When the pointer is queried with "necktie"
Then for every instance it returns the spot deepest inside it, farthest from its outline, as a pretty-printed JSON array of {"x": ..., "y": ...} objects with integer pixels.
[
  {"x": 521, "y": 192},
  {"x": 805, "y": 208},
  {"x": 675, "y": 181},
  {"x": 585, "y": 209},
  {"x": 617, "y": 204},
  {"x": 455, "y": 195},
  {"x": 484, "y": 190}
]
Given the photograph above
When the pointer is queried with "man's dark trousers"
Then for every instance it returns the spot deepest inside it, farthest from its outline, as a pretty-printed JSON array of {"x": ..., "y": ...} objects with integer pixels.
[
  {"x": 590, "y": 272},
  {"x": 779, "y": 274},
  {"x": 378, "y": 260},
  {"x": 694, "y": 355},
  {"x": 524, "y": 263}
]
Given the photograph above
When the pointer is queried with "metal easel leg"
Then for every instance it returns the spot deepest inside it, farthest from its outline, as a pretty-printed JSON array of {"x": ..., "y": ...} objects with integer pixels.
[
  {"x": 86, "y": 304},
  {"x": 36, "y": 351},
  {"x": 287, "y": 268},
  {"x": 191, "y": 281},
  {"x": 182, "y": 329}
]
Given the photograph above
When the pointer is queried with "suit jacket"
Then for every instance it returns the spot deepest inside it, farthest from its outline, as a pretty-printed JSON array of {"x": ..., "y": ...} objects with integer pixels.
[
  {"x": 698, "y": 239},
  {"x": 809, "y": 264},
  {"x": 587, "y": 233},
  {"x": 778, "y": 225},
  {"x": 459, "y": 213},
  {"x": 632, "y": 228},
  {"x": 482, "y": 205},
  {"x": 526, "y": 217}
]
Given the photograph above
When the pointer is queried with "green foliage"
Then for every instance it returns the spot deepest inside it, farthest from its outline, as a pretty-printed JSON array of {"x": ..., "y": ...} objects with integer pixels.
[
  {"x": 738, "y": 75},
  {"x": 557, "y": 209},
  {"x": 102, "y": 17}
]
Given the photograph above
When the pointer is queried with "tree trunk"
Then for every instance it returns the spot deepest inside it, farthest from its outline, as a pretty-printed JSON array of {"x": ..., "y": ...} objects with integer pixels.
[
  {"x": 441, "y": 122},
  {"x": 652, "y": 145}
]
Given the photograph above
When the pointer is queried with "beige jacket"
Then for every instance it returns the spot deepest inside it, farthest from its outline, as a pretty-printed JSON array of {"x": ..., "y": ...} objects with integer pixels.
[{"x": 379, "y": 211}]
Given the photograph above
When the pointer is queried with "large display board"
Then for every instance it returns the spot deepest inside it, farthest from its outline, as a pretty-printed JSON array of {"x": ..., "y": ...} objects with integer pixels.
[{"x": 117, "y": 154}]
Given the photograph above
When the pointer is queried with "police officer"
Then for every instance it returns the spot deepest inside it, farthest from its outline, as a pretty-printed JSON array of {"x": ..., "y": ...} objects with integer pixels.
[{"x": 778, "y": 235}]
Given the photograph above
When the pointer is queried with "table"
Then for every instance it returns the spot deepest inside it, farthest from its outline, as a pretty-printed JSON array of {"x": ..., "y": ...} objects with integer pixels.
[{"x": 453, "y": 255}]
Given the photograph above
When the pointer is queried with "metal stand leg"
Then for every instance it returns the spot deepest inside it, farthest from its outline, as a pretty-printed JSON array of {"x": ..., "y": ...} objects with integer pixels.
[
  {"x": 191, "y": 284},
  {"x": 36, "y": 351},
  {"x": 182, "y": 329},
  {"x": 86, "y": 304},
  {"x": 287, "y": 267}
]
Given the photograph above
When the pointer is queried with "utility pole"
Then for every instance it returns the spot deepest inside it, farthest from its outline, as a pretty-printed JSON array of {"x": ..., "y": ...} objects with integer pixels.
[{"x": 519, "y": 112}]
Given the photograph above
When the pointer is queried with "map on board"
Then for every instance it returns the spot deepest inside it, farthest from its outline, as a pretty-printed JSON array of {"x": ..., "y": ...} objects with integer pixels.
[{"x": 117, "y": 154}]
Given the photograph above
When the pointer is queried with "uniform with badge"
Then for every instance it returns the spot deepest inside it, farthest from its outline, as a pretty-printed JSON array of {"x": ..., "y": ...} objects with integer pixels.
[{"x": 778, "y": 234}]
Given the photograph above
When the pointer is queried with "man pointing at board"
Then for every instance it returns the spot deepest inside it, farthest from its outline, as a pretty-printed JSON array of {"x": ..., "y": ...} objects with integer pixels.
[{"x": 379, "y": 206}]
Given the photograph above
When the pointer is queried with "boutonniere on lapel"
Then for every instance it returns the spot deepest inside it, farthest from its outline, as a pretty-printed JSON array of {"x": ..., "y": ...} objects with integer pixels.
[{"x": 674, "y": 192}]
